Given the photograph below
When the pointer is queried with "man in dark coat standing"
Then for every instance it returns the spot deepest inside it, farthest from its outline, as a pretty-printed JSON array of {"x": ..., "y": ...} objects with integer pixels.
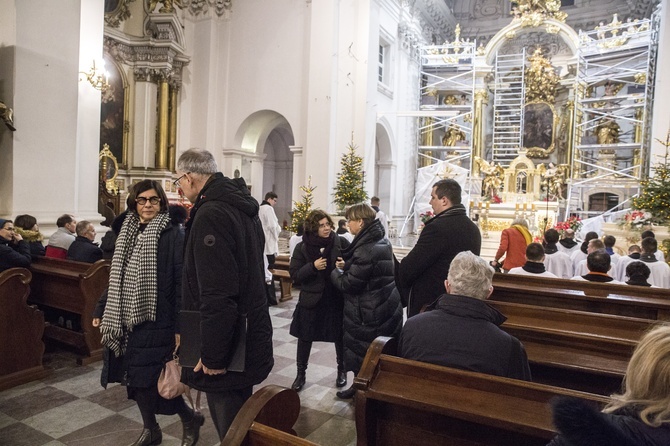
[
  {"x": 224, "y": 277},
  {"x": 461, "y": 330},
  {"x": 423, "y": 271},
  {"x": 83, "y": 249}
]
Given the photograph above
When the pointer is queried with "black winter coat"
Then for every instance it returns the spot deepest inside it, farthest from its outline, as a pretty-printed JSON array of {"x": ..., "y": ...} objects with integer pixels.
[
  {"x": 425, "y": 268},
  {"x": 224, "y": 275},
  {"x": 151, "y": 343},
  {"x": 371, "y": 302},
  {"x": 581, "y": 424},
  {"x": 84, "y": 250},
  {"x": 463, "y": 332},
  {"x": 14, "y": 256}
]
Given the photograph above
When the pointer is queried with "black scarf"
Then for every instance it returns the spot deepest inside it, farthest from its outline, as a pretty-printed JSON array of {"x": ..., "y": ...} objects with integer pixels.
[
  {"x": 634, "y": 256},
  {"x": 597, "y": 278},
  {"x": 534, "y": 267},
  {"x": 638, "y": 280},
  {"x": 648, "y": 258},
  {"x": 376, "y": 208},
  {"x": 314, "y": 246},
  {"x": 265, "y": 203},
  {"x": 567, "y": 243},
  {"x": 457, "y": 209},
  {"x": 550, "y": 248}
]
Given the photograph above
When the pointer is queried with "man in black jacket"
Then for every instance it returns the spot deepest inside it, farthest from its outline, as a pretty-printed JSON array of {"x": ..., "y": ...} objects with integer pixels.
[
  {"x": 83, "y": 249},
  {"x": 224, "y": 278},
  {"x": 14, "y": 251},
  {"x": 423, "y": 270},
  {"x": 461, "y": 330}
]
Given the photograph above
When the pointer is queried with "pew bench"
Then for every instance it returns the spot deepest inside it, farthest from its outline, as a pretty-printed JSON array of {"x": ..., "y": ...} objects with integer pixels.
[
  {"x": 21, "y": 330},
  {"x": 267, "y": 419},
  {"x": 620, "y": 300},
  {"x": 285, "y": 283},
  {"x": 282, "y": 262},
  {"x": 74, "y": 287},
  {"x": 400, "y": 402}
]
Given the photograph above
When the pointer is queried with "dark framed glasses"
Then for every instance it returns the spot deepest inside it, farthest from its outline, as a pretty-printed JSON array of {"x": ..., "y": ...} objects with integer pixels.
[
  {"x": 176, "y": 182},
  {"x": 143, "y": 200}
]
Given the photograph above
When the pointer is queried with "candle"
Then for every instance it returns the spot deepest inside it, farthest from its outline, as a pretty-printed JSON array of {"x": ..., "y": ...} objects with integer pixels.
[
  {"x": 480, "y": 205},
  {"x": 517, "y": 206},
  {"x": 525, "y": 206},
  {"x": 488, "y": 204},
  {"x": 533, "y": 207},
  {"x": 471, "y": 204}
]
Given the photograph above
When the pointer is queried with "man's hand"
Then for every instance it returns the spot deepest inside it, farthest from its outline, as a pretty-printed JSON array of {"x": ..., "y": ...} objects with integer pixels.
[
  {"x": 207, "y": 371},
  {"x": 340, "y": 263}
]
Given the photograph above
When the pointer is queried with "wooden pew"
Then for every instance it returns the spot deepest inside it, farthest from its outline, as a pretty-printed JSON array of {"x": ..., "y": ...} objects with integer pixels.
[
  {"x": 401, "y": 402},
  {"x": 21, "y": 330},
  {"x": 267, "y": 419},
  {"x": 74, "y": 287},
  {"x": 620, "y": 300},
  {"x": 282, "y": 262},
  {"x": 285, "y": 283}
]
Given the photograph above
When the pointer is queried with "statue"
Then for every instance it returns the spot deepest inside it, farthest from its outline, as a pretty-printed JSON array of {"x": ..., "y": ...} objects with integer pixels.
[
  {"x": 6, "y": 116},
  {"x": 452, "y": 136},
  {"x": 554, "y": 178},
  {"x": 607, "y": 131},
  {"x": 541, "y": 79},
  {"x": 493, "y": 177}
]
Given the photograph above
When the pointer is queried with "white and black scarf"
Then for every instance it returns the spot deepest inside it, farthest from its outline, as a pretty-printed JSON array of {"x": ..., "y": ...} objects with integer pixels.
[{"x": 133, "y": 280}]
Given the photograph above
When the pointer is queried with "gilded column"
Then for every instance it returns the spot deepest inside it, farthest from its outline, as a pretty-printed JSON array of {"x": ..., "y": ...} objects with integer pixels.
[
  {"x": 172, "y": 136},
  {"x": 426, "y": 140},
  {"x": 481, "y": 98},
  {"x": 570, "y": 112},
  {"x": 162, "y": 143}
]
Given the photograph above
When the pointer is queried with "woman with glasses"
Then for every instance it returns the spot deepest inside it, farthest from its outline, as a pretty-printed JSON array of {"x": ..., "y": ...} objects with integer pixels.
[
  {"x": 14, "y": 251},
  {"x": 318, "y": 315},
  {"x": 137, "y": 317},
  {"x": 365, "y": 276}
]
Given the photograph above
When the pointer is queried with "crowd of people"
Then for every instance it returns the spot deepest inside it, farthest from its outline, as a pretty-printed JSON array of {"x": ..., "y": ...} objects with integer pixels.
[{"x": 216, "y": 262}]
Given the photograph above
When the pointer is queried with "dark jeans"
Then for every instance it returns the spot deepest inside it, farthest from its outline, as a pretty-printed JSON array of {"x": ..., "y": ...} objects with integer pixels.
[
  {"x": 271, "y": 260},
  {"x": 223, "y": 407}
]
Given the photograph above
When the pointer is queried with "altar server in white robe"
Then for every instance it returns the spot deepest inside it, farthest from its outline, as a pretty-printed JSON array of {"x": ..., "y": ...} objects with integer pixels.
[
  {"x": 556, "y": 261},
  {"x": 534, "y": 265}
]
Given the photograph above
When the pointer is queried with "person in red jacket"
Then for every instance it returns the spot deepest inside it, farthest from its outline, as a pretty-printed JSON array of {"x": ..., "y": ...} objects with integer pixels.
[{"x": 513, "y": 243}]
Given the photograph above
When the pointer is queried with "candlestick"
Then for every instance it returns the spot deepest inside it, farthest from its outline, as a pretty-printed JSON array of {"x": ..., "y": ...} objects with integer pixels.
[
  {"x": 525, "y": 206},
  {"x": 533, "y": 207},
  {"x": 488, "y": 204},
  {"x": 480, "y": 205},
  {"x": 517, "y": 206}
]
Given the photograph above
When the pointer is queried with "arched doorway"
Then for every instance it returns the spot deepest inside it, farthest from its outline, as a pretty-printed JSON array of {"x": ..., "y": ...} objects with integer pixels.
[{"x": 384, "y": 167}]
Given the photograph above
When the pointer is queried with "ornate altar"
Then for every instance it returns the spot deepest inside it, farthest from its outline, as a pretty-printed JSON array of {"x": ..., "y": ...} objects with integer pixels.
[{"x": 108, "y": 193}]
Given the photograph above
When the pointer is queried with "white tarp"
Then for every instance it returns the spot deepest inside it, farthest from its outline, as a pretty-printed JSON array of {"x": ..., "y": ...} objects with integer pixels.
[{"x": 429, "y": 175}]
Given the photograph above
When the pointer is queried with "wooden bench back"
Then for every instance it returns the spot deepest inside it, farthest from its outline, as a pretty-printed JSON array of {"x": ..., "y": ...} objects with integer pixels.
[
  {"x": 267, "y": 419},
  {"x": 21, "y": 330},
  {"x": 621, "y": 300},
  {"x": 401, "y": 402}
]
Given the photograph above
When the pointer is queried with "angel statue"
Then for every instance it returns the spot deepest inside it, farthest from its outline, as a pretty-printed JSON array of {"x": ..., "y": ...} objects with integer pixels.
[
  {"x": 493, "y": 177},
  {"x": 553, "y": 179}
]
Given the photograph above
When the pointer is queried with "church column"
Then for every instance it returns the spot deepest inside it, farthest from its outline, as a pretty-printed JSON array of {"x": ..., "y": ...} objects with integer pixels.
[
  {"x": 298, "y": 172},
  {"x": 481, "y": 98},
  {"x": 172, "y": 135},
  {"x": 661, "y": 122},
  {"x": 163, "y": 120},
  {"x": 144, "y": 134}
]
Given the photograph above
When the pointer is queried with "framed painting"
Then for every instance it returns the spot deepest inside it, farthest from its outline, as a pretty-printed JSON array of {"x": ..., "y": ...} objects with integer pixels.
[
  {"x": 114, "y": 114},
  {"x": 539, "y": 128}
]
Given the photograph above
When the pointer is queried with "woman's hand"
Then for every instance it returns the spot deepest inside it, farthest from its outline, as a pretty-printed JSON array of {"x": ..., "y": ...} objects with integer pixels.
[
  {"x": 320, "y": 264},
  {"x": 340, "y": 263},
  {"x": 96, "y": 322}
]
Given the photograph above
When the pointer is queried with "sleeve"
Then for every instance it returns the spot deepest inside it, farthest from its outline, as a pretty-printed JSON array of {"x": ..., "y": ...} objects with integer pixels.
[
  {"x": 355, "y": 276},
  {"x": 519, "y": 367},
  {"x": 17, "y": 257},
  {"x": 177, "y": 269},
  {"x": 301, "y": 270},
  {"x": 99, "y": 309},
  {"x": 421, "y": 257},
  {"x": 504, "y": 243},
  {"x": 218, "y": 276}
]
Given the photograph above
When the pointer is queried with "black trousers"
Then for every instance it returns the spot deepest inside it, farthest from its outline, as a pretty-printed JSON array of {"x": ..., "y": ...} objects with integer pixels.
[
  {"x": 223, "y": 407},
  {"x": 271, "y": 260}
]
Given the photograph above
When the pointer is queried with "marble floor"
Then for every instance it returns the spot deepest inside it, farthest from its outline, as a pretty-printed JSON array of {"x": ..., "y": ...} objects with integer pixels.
[{"x": 69, "y": 407}]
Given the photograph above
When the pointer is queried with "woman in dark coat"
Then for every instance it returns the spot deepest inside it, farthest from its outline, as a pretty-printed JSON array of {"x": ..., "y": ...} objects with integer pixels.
[
  {"x": 26, "y": 225},
  {"x": 639, "y": 416},
  {"x": 371, "y": 301},
  {"x": 318, "y": 315},
  {"x": 137, "y": 316}
]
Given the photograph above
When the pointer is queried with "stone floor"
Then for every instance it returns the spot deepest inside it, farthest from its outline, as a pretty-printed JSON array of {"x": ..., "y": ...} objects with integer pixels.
[{"x": 70, "y": 408}]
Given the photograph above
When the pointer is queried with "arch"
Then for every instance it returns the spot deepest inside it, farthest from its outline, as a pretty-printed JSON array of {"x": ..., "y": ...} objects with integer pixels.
[
  {"x": 266, "y": 135},
  {"x": 384, "y": 165}
]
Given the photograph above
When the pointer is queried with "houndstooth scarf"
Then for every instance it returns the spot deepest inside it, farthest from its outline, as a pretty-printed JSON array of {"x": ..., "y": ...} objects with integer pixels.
[{"x": 133, "y": 281}]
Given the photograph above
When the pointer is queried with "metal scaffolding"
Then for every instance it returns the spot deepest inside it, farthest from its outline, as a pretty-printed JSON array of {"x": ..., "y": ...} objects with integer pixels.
[{"x": 508, "y": 106}]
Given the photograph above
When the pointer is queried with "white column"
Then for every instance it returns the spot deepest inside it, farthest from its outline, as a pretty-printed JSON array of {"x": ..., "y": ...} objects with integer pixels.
[
  {"x": 661, "y": 118},
  {"x": 299, "y": 177},
  {"x": 144, "y": 134}
]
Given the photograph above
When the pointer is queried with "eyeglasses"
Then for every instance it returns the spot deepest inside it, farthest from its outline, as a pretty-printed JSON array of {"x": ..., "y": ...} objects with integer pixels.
[
  {"x": 176, "y": 182},
  {"x": 143, "y": 200}
]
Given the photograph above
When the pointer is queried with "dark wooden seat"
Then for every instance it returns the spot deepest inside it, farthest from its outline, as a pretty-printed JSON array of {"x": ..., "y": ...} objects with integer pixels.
[
  {"x": 620, "y": 300},
  {"x": 74, "y": 287},
  {"x": 267, "y": 419},
  {"x": 21, "y": 330},
  {"x": 285, "y": 283},
  {"x": 282, "y": 262},
  {"x": 401, "y": 402}
]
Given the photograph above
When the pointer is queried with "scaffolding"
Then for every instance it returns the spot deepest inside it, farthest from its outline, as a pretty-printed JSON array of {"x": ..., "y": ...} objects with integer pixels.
[
  {"x": 613, "y": 103},
  {"x": 508, "y": 106}
]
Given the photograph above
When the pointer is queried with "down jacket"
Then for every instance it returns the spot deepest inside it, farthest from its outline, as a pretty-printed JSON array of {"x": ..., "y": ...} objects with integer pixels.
[{"x": 371, "y": 301}]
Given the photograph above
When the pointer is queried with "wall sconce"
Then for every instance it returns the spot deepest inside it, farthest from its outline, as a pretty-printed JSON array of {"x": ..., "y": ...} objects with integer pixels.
[{"x": 98, "y": 77}]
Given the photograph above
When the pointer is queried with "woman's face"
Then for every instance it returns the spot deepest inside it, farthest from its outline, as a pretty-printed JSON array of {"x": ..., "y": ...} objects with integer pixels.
[
  {"x": 355, "y": 226},
  {"x": 148, "y": 210},
  {"x": 324, "y": 228}
]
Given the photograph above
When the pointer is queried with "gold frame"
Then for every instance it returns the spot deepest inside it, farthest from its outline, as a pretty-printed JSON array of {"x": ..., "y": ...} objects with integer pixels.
[
  {"x": 119, "y": 14},
  {"x": 539, "y": 152},
  {"x": 106, "y": 156}
]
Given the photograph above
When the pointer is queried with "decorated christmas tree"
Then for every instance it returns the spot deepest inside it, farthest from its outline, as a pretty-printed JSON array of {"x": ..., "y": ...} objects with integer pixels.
[
  {"x": 303, "y": 207},
  {"x": 349, "y": 188},
  {"x": 655, "y": 194}
]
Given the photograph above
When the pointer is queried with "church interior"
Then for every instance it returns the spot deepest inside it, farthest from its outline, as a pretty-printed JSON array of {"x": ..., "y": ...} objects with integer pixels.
[{"x": 544, "y": 110}]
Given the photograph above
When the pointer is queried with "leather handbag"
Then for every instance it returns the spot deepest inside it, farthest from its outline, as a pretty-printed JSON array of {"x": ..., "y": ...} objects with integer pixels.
[{"x": 169, "y": 381}]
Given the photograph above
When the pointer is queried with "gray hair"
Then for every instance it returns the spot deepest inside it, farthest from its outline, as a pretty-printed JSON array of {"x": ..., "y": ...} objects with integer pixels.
[
  {"x": 470, "y": 275},
  {"x": 198, "y": 162},
  {"x": 520, "y": 222}
]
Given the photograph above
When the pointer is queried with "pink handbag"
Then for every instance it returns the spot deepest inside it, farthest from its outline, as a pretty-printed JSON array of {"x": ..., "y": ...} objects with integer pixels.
[{"x": 169, "y": 384}]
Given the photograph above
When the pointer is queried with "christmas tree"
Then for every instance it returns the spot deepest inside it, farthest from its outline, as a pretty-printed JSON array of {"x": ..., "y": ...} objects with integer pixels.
[
  {"x": 349, "y": 188},
  {"x": 655, "y": 194},
  {"x": 303, "y": 207}
]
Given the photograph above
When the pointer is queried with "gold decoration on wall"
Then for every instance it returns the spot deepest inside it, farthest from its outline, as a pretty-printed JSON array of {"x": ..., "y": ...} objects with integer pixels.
[
  {"x": 116, "y": 11},
  {"x": 553, "y": 179},
  {"x": 540, "y": 117},
  {"x": 608, "y": 33},
  {"x": 552, "y": 29},
  {"x": 451, "y": 100},
  {"x": 640, "y": 78},
  {"x": 452, "y": 136},
  {"x": 532, "y": 13},
  {"x": 481, "y": 50},
  {"x": 493, "y": 177},
  {"x": 510, "y": 35},
  {"x": 541, "y": 79}
]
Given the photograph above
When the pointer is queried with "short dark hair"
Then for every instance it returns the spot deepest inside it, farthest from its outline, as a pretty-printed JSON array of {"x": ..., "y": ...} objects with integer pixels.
[
  {"x": 341, "y": 223},
  {"x": 609, "y": 241},
  {"x": 312, "y": 221},
  {"x": 374, "y": 201},
  {"x": 597, "y": 243},
  {"x": 25, "y": 221},
  {"x": 590, "y": 236},
  {"x": 270, "y": 195},
  {"x": 598, "y": 262},
  {"x": 649, "y": 245},
  {"x": 448, "y": 188},
  {"x": 638, "y": 269},
  {"x": 144, "y": 186},
  {"x": 551, "y": 236},
  {"x": 63, "y": 220},
  {"x": 534, "y": 252},
  {"x": 647, "y": 233},
  {"x": 633, "y": 248},
  {"x": 178, "y": 214}
]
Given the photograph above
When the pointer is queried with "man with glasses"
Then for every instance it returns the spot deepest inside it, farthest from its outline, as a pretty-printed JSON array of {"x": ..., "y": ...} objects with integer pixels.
[
  {"x": 83, "y": 249},
  {"x": 223, "y": 280},
  {"x": 14, "y": 251}
]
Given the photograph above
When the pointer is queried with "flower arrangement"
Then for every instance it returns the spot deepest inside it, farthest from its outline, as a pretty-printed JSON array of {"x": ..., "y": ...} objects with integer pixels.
[
  {"x": 496, "y": 199},
  {"x": 425, "y": 216},
  {"x": 635, "y": 220},
  {"x": 573, "y": 222}
]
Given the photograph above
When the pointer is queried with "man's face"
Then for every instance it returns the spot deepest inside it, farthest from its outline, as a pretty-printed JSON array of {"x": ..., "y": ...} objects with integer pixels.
[
  {"x": 7, "y": 231},
  {"x": 438, "y": 204},
  {"x": 590, "y": 248},
  {"x": 272, "y": 201},
  {"x": 185, "y": 183},
  {"x": 72, "y": 226},
  {"x": 90, "y": 233}
]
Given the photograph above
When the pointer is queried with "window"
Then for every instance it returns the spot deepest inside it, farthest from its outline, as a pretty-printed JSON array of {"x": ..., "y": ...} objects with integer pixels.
[{"x": 381, "y": 60}]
